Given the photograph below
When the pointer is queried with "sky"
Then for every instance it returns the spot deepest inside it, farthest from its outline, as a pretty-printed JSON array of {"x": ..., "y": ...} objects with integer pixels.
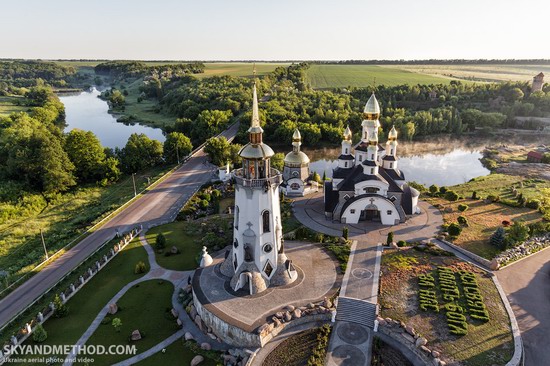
[{"x": 274, "y": 30}]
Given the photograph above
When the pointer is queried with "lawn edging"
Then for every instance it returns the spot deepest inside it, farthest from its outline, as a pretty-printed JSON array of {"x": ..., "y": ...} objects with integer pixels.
[
  {"x": 517, "y": 358},
  {"x": 485, "y": 263}
]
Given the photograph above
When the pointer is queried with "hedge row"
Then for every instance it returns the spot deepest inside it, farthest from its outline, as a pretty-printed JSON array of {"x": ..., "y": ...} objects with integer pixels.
[
  {"x": 474, "y": 299},
  {"x": 456, "y": 321}
]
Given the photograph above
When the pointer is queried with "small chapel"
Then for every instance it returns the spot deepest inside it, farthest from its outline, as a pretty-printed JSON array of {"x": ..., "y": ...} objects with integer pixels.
[
  {"x": 367, "y": 184},
  {"x": 296, "y": 169}
]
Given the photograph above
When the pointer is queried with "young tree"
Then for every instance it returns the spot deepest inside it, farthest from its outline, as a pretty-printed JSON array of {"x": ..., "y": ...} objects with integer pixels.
[
  {"x": 389, "y": 240},
  {"x": 117, "y": 99},
  {"x": 39, "y": 334},
  {"x": 222, "y": 151},
  {"x": 61, "y": 310},
  {"x": 160, "y": 241},
  {"x": 454, "y": 229},
  {"x": 117, "y": 323},
  {"x": 498, "y": 239},
  {"x": 434, "y": 189},
  {"x": 86, "y": 153},
  {"x": 140, "y": 152},
  {"x": 345, "y": 232}
]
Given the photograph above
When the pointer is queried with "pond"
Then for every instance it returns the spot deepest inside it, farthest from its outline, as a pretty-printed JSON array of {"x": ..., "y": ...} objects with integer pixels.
[
  {"x": 444, "y": 162},
  {"x": 87, "y": 112}
]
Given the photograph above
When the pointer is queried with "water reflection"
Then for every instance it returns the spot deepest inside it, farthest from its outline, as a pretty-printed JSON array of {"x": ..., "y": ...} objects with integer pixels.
[{"x": 87, "y": 112}]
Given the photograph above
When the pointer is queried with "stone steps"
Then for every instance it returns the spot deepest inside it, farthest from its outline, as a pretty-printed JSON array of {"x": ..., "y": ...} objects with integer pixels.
[{"x": 356, "y": 311}]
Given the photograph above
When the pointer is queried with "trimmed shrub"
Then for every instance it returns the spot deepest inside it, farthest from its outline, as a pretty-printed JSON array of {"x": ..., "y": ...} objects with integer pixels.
[
  {"x": 474, "y": 195},
  {"x": 389, "y": 240},
  {"x": 160, "y": 241},
  {"x": 61, "y": 309},
  {"x": 401, "y": 243},
  {"x": 534, "y": 204},
  {"x": 454, "y": 229},
  {"x": 451, "y": 195},
  {"x": 434, "y": 189},
  {"x": 462, "y": 220},
  {"x": 39, "y": 334},
  {"x": 442, "y": 190},
  {"x": 345, "y": 232},
  {"x": 140, "y": 267},
  {"x": 462, "y": 207}
]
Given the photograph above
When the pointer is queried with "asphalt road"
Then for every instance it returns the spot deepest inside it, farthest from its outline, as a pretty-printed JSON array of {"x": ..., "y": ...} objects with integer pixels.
[
  {"x": 158, "y": 205},
  {"x": 527, "y": 285}
]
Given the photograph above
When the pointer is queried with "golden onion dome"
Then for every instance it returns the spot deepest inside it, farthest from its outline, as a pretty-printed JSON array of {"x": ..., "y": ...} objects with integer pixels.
[
  {"x": 296, "y": 137},
  {"x": 392, "y": 135},
  {"x": 372, "y": 108},
  {"x": 256, "y": 151},
  {"x": 295, "y": 158},
  {"x": 347, "y": 134}
]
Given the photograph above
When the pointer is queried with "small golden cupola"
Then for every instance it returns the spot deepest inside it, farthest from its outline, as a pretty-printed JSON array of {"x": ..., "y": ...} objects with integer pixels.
[
  {"x": 347, "y": 134},
  {"x": 372, "y": 109},
  {"x": 392, "y": 135}
]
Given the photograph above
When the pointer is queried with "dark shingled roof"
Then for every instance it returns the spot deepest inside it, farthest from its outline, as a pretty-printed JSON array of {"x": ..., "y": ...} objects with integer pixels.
[
  {"x": 369, "y": 163},
  {"x": 381, "y": 148},
  {"x": 331, "y": 197},
  {"x": 345, "y": 157},
  {"x": 406, "y": 199},
  {"x": 357, "y": 176},
  {"x": 395, "y": 174},
  {"x": 389, "y": 158},
  {"x": 341, "y": 173},
  {"x": 393, "y": 186},
  {"x": 363, "y": 146}
]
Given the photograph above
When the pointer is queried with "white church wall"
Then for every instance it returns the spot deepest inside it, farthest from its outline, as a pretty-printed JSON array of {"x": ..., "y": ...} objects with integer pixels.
[
  {"x": 382, "y": 187},
  {"x": 388, "y": 212}
]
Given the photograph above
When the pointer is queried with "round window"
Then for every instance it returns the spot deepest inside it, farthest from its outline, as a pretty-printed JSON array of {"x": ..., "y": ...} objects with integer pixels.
[{"x": 268, "y": 248}]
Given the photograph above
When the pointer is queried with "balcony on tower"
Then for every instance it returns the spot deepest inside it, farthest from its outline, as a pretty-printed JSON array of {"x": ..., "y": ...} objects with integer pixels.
[{"x": 257, "y": 177}]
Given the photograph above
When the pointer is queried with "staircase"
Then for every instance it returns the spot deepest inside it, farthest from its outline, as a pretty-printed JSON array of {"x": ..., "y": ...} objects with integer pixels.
[{"x": 356, "y": 311}]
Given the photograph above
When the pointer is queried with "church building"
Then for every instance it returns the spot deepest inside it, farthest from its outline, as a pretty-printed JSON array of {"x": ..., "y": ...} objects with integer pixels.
[
  {"x": 257, "y": 259},
  {"x": 296, "y": 169},
  {"x": 367, "y": 184}
]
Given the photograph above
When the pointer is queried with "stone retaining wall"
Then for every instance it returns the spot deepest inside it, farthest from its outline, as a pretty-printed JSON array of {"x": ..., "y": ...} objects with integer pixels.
[{"x": 484, "y": 262}]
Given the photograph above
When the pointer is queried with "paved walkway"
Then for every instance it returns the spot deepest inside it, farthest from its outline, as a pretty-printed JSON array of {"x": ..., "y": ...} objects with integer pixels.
[
  {"x": 527, "y": 285},
  {"x": 156, "y": 272}
]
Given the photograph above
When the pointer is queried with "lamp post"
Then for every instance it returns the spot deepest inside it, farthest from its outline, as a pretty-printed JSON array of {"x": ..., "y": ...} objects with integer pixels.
[
  {"x": 178, "y": 154},
  {"x": 44, "y": 244},
  {"x": 134, "y": 181}
]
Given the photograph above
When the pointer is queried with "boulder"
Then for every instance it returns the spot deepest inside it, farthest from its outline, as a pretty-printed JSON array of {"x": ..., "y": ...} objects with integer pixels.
[
  {"x": 113, "y": 308},
  {"x": 435, "y": 354},
  {"x": 179, "y": 322},
  {"x": 188, "y": 289},
  {"x": 196, "y": 360},
  {"x": 198, "y": 322},
  {"x": 174, "y": 313},
  {"x": 212, "y": 336},
  {"x": 494, "y": 264},
  {"x": 276, "y": 321},
  {"x": 410, "y": 330},
  {"x": 136, "y": 335},
  {"x": 174, "y": 250},
  {"x": 311, "y": 305},
  {"x": 188, "y": 336},
  {"x": 193, "y": 313},
  {"x": 436, "y": 361},
  {"x": 425, "y": 349},
  {"x": 297, "y": 313},
  {"x": 229, "y": 360},
  {"x": 270, "y": 327},
  {"x": 287, "y": 317},
  {"x": 381, "y": 321},
  {"x": 261, "y": 328},
  {"x": 280, "y": 315},
  {"x": 206, "y": 346},
  {"x": 327, "y": 303},
  {"x": 289, "y": 308},
  {"x": 421, "y": 341}
]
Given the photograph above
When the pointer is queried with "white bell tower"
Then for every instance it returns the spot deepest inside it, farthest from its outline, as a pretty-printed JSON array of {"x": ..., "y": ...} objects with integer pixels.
[
  {"x": 257, "y": 260},
  {"x": 390, "y": 159}
]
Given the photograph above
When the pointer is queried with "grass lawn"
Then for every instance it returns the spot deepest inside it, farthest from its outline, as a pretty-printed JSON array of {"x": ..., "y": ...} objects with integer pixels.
[
  {"x": 146, "y": 307},
  {"x": 8, "y": 105},
  {"x": 483, "y": 220},
  {"x": 342, "y": 76},
  {"x": 176, "y": 354},
  {"x": 489, "y": 343},
  {"x": 88, "y": 302},
  {"x": 62, "y": 220},
  {"x": 177, "y": 235}
]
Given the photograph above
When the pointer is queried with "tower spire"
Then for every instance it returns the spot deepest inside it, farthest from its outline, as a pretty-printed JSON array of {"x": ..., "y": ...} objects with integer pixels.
[{"x": 255, "y": 111}]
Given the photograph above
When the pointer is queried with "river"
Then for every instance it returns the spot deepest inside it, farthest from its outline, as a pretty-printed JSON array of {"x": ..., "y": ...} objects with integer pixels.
[{"x": 87, "y": 112}]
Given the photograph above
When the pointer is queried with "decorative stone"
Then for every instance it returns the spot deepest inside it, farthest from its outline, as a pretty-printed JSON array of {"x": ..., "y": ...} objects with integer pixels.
[
  {"x": 206, "y": 259},
  {"x": 311, "y": 305},
  {"x": 174, "y": 313},
  {"x": 212, "y": 336},
  {"x": 196, "y": 360},
  {"x": 136, "y": 335},
  {"x": 13, "y": 340},
  {"x": 81, "y": 279},
  {"x": 269, "y": 328},
  {"x": 178, "y": 321},
  {"x": 327, "y": 303},
  {"x": 198, "y": 322},
  {"x": 193, "y": 312},
  {"x": 188, "y": 336},
  {"x": 381, "y": 321},
  {"x": 494, "y": 264},
  {"x": 289, "y": 308},
  {"x": 410, "y": 330},
  {"x": 435, "y": 354},
  {"x": 276, "y": 321},
  {"x": 425, "y": 349},
  {"x": 421, "y": 341},
  {"x": 113, "y": 309},
  {"x": 174, "y": 250},
  {"x": 287, "y": 317},
  {"x": 408, "y": 337},
  {"x": 62, "y": 295},
  {"x": 280, "y": 315},
  {"x": 297, "y": 313},
  {"x": 40, "y": 317},
  {"x": 229, "y": 360},
  {"x": 436, "y": 361},
  {"x": 206, "y": 346}
]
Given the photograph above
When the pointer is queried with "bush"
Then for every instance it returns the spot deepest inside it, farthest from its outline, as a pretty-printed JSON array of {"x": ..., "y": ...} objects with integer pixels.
[
  {"x": 506, "y": 223},
  {"x": 61, "y": 309},
  {"x": 203, "y": 204},
  {"x": 474, "y": 195},
  {"x": 454, "y": 229},
  {"x": 160, "y": 241},
  {"x": 401, "y": 243},
  {"x": 462, "y": 207},
  {"x": 493, "y": 198},
  {"x": 442, "y": 190},
  {"x": 451, "y": 195},
  {"x": 518, "y": 232},
  {"x": 39, "y": 334},
  {"x": 140, "y": 267},
  {"x": 345, "y": 232},
  {"x": 534, "y": 204},
  {"x": 303, "y": 233},
  {"x": 434, "y": 189},
  {"x": 462, "y": 220},
  {"x": 389, "y": 240},
  {"x": 498, "y": 239}
]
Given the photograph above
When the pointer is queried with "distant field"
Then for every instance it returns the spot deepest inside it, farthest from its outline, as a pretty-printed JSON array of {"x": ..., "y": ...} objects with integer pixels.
[
  {"x": 483, "y": 73},
  {"x": 243, "y": 69},
  {"x": 8, "y": 106},
  {"x": 334, "y": 76}
]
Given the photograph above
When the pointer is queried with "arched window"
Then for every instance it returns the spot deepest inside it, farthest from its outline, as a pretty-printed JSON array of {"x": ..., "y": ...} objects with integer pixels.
[
  {"x": 391, "y": 165},
  {"x": 345, "y": 164},
  {"x": 265, "y": 221},
  {"x": 346, "y": 151},
  {"x": 391, "y": 151},
  {"x": 237, "y": 217}
]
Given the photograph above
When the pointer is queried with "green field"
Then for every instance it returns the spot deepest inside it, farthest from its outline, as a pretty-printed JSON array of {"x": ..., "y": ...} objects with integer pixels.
[
  {"x": 480, "y": 73},
  {"x": 8, "y": 105},
  {"x": 244, "y": 69},
  {"x": 342, "y": 76}
]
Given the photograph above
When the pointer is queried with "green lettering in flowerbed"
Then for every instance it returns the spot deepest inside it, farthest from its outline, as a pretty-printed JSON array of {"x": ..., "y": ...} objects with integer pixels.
[{"x": 474, "y": 298}]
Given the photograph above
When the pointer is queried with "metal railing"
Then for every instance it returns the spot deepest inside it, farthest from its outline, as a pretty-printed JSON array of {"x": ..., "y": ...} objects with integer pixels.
[{"x": 275, "y": 177}]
